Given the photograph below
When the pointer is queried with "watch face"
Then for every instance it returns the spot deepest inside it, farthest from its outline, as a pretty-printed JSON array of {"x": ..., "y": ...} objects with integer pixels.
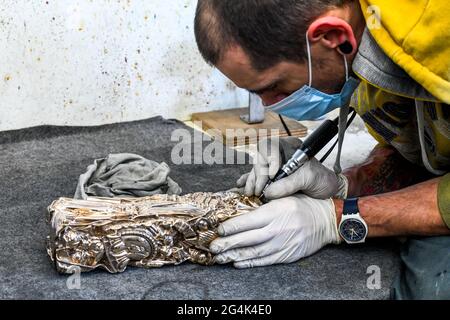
[{"x": 353, "y": 230}]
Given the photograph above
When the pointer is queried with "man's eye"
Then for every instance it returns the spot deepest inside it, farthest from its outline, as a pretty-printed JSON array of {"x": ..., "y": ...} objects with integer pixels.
[{"x": 265, "y": 90}]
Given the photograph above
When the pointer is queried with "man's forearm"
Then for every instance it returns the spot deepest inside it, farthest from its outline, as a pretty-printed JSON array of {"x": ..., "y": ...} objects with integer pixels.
[
  {"x": 410, "y": 211},
  {"x": 385, "y": 170}
]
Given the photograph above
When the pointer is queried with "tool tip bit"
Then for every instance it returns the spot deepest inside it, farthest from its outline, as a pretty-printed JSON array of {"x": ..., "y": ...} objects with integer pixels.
[{"x": 262, "y": 198}]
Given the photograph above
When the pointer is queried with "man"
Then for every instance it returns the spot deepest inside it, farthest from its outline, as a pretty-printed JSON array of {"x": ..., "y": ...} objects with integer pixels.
[{"x": 305, "y": 58}]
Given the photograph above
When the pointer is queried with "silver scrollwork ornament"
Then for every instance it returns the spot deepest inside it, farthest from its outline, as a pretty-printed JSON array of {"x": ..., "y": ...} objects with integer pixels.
[{"x": 112, "y": 233}]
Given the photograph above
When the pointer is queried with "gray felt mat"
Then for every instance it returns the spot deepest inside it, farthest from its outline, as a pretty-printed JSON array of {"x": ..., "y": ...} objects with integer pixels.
[{"x": 41, "y": 164}]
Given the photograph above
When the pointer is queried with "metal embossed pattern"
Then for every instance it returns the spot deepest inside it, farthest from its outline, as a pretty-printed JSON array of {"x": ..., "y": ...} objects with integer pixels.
[{"x": 143, "y": 232}]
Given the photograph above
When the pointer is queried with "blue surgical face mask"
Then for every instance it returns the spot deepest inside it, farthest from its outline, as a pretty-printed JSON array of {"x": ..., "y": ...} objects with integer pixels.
[{"x": 308, "y": 103}]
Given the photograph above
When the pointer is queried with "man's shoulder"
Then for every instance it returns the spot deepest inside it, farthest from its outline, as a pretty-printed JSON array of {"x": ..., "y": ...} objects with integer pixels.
[
  {"x": 372, "y": 65},
  {"x": 391, "y": 119}
]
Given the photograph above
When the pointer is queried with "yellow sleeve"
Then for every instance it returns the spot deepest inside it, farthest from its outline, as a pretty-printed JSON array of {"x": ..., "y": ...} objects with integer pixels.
[{"x": 444, "y": 198}]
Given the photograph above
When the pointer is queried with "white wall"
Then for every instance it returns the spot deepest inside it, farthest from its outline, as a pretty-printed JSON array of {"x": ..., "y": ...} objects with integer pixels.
[{"x": 89, "y": 62}]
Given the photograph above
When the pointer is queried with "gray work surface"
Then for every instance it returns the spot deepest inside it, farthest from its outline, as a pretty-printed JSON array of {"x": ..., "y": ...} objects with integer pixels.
[{"x": 38, "y": 165}]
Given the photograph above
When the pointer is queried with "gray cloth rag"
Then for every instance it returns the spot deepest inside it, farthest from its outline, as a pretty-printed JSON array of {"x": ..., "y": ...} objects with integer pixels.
[{"x": 125, "y": 175}]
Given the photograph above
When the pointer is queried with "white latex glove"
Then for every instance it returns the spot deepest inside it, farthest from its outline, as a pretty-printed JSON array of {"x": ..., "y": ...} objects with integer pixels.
[
  {"x": 282, "y": 231},
  {"x": 313, "y": 178}
]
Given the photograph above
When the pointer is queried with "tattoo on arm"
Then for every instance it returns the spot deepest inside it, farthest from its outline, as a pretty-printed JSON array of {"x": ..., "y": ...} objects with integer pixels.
[{"x": 385, "y": 170}]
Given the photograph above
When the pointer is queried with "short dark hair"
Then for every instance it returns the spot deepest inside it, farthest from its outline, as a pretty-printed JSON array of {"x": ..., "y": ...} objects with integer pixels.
[{"x": 269, "y": 31}]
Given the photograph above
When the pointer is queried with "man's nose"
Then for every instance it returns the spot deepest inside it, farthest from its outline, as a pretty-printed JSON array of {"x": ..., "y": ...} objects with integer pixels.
[{"x": 270, "y": 99}]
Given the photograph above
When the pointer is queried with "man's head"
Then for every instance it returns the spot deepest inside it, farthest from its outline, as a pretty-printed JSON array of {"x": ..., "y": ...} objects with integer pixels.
[{"x": 261, "y": 44}]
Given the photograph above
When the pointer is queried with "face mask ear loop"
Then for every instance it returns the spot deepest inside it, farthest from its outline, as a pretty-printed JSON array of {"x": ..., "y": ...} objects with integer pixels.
[{"x": 308, "y": 49}]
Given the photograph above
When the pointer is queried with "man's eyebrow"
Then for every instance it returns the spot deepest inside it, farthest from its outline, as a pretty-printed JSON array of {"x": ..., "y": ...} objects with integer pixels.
[{"x": 265, "y": 88}]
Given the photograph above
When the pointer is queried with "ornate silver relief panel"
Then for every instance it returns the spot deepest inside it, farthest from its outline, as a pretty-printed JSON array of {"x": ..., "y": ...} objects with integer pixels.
[{"x": 144, "y": 232}]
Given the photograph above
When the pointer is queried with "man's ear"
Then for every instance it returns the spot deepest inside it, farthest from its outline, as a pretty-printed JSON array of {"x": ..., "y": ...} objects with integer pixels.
[{"x": 335, "y": 33}]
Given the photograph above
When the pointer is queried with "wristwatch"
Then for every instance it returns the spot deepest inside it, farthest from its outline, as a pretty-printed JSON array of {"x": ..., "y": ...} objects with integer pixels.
[{"x": 353, "y": 228}]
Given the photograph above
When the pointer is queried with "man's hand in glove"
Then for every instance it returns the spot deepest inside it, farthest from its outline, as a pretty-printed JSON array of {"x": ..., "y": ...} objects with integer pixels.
[
  {"x": 282, "y": 231},
  {"x": 313, "y": 178}
]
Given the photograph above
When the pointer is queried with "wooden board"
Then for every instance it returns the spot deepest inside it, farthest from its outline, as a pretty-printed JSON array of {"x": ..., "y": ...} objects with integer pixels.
[{"x": 228, "y": 126}]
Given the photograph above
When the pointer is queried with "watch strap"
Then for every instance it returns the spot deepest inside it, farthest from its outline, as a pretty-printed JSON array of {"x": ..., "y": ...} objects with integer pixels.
[{"x": 350, "y": 206}]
